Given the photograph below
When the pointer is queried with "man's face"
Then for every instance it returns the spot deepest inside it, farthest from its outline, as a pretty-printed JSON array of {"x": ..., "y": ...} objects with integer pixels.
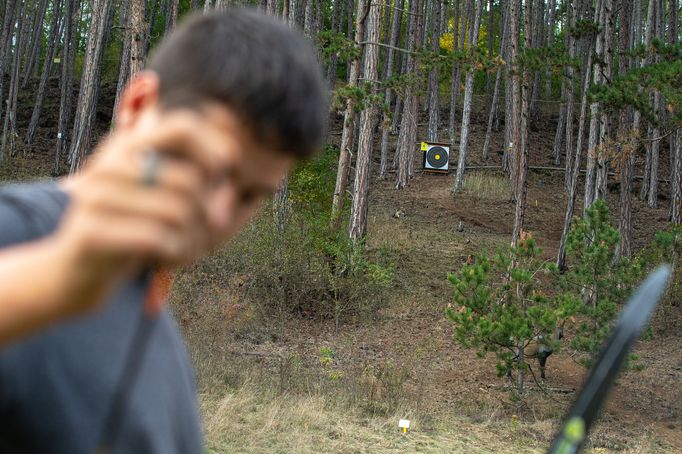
[{"x": 253, "y": 171}]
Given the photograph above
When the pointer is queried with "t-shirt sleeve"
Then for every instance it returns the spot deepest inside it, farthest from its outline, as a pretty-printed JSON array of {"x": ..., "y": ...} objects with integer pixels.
[{"x": 29, "y": 211}]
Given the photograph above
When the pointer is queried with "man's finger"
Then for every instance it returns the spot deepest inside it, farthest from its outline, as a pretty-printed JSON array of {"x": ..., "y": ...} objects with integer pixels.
[{"x": 186, "y": 135}]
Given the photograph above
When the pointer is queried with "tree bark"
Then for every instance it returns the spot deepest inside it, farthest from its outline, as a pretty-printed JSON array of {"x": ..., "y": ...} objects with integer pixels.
[
  {"x": 575, "y": 171},
  {"x": 468, "y": 99},
  {"x": 6, "y": 43},
  {"x": 630, "y": 35},
  {"x": 9, "y": 130},
  {"x": 604, "y": 126},
  {"x": 515, "y": 127},
  {"x": 561, "y": 127},
  {"x": 538, "y": 34},
  {"x": 345, "y": 151},
  {"x": 358, "y": 218},
  {"x": 397, "y": 17},
  {"x": 408, "y": 123},
  {"x": 50, "y": 53},
  {"x": 676, "y": 196},
  {"x": 496, "y": 94},
  {"x": 85, "y": 110},
  {"x": 434, "y": 75},
  {"x": 521, "y": 160},
  {"x": 551, "y": 9},
  {"x": 35, "y": 42},
  {"x": 334, "y": 58},
  {"x": 652, "y": 146},
  {"x": 71, "y": 17},
  {"x": 172, "y": 15},
  {"x": 124, "y": 65},
  {"x": 460, "y": 26},
  {"x": 570, "y": 94}
]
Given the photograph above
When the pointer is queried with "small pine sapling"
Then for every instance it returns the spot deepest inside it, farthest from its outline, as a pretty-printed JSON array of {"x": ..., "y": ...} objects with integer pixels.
[
  {"x": 500, "y": 308},
  {"x": 597, "y": 276}
]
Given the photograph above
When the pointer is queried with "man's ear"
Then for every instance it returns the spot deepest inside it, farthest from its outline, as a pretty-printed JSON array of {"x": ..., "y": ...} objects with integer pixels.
[{"x": 141, "y": 93}]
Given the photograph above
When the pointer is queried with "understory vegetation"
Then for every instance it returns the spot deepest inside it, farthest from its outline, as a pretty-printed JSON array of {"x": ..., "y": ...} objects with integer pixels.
[{"x": 505, "y": 302}]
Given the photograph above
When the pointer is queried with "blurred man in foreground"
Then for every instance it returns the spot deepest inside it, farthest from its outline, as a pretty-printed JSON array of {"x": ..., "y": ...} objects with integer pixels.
[{"x": 226, "y": 106}]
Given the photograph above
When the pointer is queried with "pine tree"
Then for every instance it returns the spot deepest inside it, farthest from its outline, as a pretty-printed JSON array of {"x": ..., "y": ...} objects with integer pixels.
[
  {"x": 396, "y": 23},
  {"x": 359, "y": 207},
  {"x": 408, "y": 123},
  {"x": 50, "y": 54},
  {"x": 468, "y": 100},
  {"x": 349, "y": 118},
  {"x": 597, "y": 275},
  {"x": 87, "y": 99},
  {"x": 502, "y": 315}
]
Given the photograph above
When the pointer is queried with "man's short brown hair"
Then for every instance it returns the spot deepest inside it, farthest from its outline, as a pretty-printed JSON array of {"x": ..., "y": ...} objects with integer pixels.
[{"x": 263, "y": 70}]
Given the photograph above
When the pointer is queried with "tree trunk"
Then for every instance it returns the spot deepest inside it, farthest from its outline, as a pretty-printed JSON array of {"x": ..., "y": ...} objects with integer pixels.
[
  {"x": 593, "y": 140},
  {"x": 551, "y": 9},
  {"x": 570, "y": 96},
  {"x": 124, "y": 66},
  {"x": 521, "y": 160},
  {"x": 358, "y": 218},
  {"x": 138, "y": 38},
  {"x": 397, "y": 17},
  {"x": 334, "y": 58},
  {"x": 460, "y": 27},
  {"x": 434, "y": 75},
  {"x": 629, "y": 35},
  {"x": 36, "y": 40},
  {"x": 676, "y": 139},
  {"x": 50, "y": 53},
  {"x": 9, "y": 130},
  {"x": 538, "y": 34},
  {"x": 492, "y": 111},
  {"x": 508, "y": 108},
  {"x": 408, "y": 123},
  {"x": 515, "y": 126},
  {"x": 71, "y": 17},
  {"x": 652, "y": 145},
  {"x": 575, "y": 171},
  {"x": 85, "y": 110},
  {"x": 491, "y": 50},
  {"x": 604, "y": 127},
  {"x": 652, "y": 201},
  {"x": 412, "y": 131},
  {"x": 345, "y": 151},
  {"x": 6, "y": 43},
  {"x": 309, "y": 18},
  {"x": 676, "y": 196},
  {"x": 468, "y": 99},
  {"x": 172, "y": 15},
  {"x": 561, "y": 127}
]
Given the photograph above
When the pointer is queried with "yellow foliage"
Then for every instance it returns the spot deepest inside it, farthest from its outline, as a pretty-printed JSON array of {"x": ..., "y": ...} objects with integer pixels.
[{"x": 447, "y": 39}]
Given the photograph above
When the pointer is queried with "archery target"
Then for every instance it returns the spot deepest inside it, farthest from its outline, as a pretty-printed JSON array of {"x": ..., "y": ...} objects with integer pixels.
[{"x": 436, "y": 157}]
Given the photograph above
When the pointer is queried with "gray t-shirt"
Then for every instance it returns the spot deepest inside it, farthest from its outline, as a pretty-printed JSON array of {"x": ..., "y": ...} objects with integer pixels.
[{"x": 57, "y": 388}]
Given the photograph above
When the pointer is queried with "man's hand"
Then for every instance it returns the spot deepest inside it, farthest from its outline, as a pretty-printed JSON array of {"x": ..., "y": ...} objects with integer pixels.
[{"x": 117, "y": 223}]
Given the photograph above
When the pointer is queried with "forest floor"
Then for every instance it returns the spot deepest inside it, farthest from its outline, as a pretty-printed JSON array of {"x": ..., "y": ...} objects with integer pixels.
[{"x": 404, "y": 363}]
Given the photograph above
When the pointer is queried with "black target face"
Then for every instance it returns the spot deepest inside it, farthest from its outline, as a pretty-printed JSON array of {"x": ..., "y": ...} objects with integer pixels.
[{"x": 437, "y": 157}]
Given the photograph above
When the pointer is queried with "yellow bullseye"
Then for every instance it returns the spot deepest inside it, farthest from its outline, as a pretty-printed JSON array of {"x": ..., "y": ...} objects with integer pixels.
[{"x": 437, "y": 157}]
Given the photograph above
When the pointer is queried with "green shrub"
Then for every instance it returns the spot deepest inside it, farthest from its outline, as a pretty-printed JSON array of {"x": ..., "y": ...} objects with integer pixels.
[
  {"x": 499, "y": 306},
  {"x": 597, "y": 275},
  {"x": 303, "y": 268}
]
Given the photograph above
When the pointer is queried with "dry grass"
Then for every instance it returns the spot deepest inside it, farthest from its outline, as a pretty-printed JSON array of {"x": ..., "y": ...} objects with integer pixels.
[
  {"x": 487, "y": 186},
  {"x": 251, "y": 420}
]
